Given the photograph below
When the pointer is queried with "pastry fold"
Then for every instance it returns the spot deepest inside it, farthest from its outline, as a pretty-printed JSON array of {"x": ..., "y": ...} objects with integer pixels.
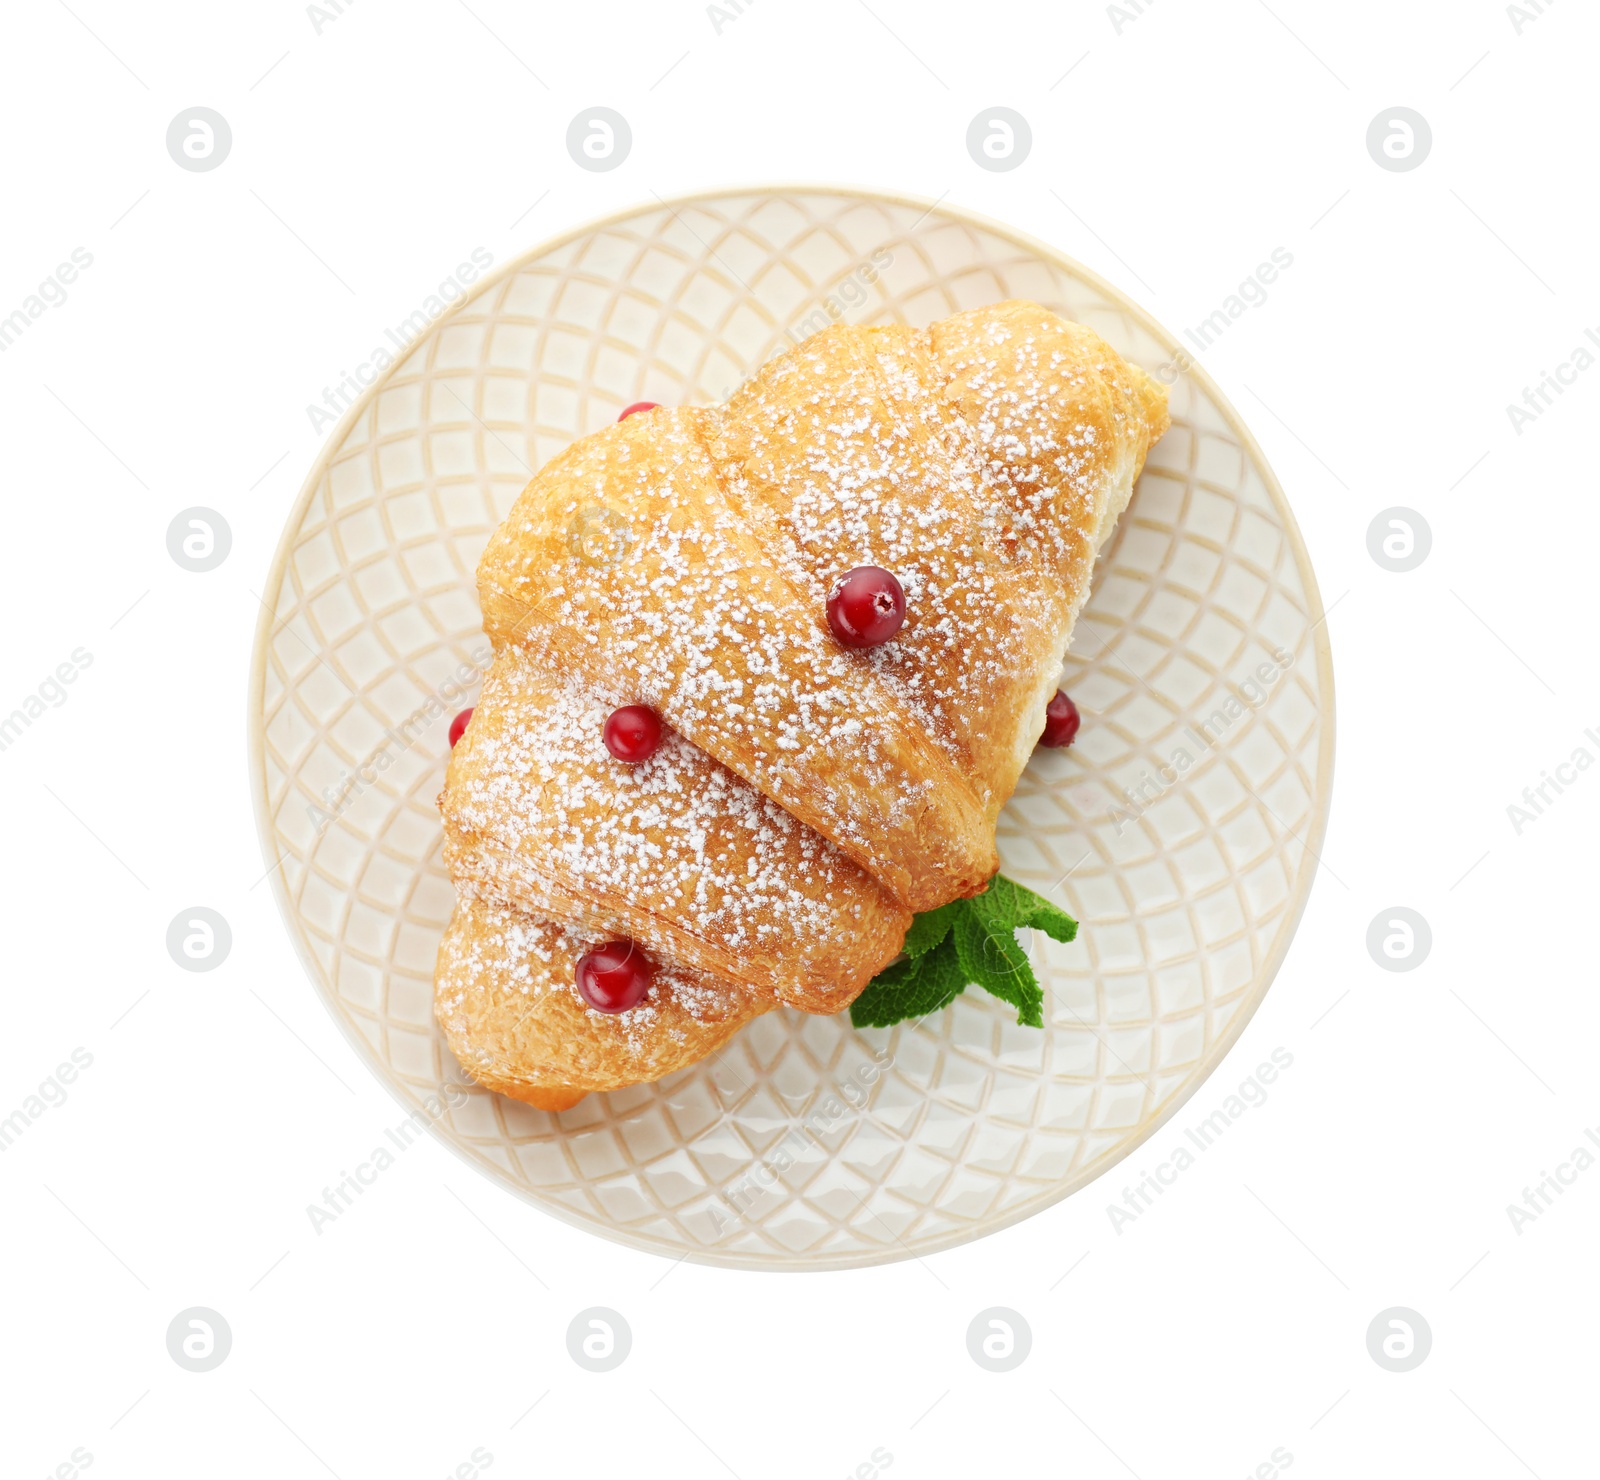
[
  {"x": 701, "y": 621},
  {"x": 504, "y": 997},
  {"x": 983, "y": 460},
  {"x": 676, "y": 852},
  {"x": 809, "y": 798}
]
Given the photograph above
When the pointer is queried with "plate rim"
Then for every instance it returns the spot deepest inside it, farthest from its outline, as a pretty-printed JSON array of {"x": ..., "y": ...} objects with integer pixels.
[{"x": 1304, "y": 881}]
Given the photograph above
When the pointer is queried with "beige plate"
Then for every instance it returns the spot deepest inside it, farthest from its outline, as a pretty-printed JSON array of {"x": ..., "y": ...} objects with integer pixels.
[{"x": 1200, "y": 663}]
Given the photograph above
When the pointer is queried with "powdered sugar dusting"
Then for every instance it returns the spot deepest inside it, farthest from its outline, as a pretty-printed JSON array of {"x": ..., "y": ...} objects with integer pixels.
[
  {"x": 507, "y": 1000},
  {"x": 981, "y": 461},
  {"x": 675, "y": 851}
]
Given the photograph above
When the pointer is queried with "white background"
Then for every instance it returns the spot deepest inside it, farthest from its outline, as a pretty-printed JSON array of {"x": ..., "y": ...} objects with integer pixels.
[{"x": 1230, "y": 1320}]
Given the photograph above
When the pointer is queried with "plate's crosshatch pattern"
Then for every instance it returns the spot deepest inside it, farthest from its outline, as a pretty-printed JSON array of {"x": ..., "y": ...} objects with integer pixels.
[{"x": 1180, "y": 829}]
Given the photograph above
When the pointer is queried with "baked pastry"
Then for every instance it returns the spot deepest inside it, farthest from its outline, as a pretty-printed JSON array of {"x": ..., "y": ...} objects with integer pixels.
[{"x": 809, "y": 794}]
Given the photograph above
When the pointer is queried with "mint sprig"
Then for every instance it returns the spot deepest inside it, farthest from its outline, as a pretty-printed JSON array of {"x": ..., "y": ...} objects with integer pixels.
[{"x": 968, "y": 942}]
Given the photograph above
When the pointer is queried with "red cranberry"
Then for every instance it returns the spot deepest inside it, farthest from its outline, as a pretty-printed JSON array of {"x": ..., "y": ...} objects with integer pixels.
[
  {"x": 866, "y": 607},
  {"x": 1061, "y": 720},
  {"x": 632, "y": 733},
  {"x": 628, "y": 411},
  {"x": 458, "y": 726},
  {"x": 614, "y": 977}
]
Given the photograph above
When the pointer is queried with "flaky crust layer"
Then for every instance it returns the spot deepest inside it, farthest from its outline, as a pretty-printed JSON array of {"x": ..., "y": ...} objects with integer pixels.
[
  {"x": 504, "y": 995},
  {"x": 676, "y": 853},
  {"x": 702, "y": 622}
]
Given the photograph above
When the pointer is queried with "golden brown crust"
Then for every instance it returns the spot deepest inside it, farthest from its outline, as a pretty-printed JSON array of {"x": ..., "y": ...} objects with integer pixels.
[
  {"x": 504, "y": 995},
  {"x": 554, "y": 1098},
  {"x": 700, "y": 621},
  {"x": 1062, "y": 425},
  {"x": 1002, "y": 444},
  {"x": 676, "y": 853}
]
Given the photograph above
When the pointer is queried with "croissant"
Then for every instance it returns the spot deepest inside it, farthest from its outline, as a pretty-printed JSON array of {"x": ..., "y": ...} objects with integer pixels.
[{"x": 806, "y": 798}]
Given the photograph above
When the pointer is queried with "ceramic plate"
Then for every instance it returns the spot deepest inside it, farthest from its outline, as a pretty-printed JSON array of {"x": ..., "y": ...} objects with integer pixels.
[{"x": 1180, "y": 830}]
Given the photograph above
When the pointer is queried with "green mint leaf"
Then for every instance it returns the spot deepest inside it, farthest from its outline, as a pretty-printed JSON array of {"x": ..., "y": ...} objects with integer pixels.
[
  {"x": 992, "y": 959},
  {"x": 1006, "y": 902},
  {"x": 968, "y": 942},
  {"x": 928, "y": 929},
  {"x": 910, "y": 988},
  {"x": 942, "y": 976}
]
